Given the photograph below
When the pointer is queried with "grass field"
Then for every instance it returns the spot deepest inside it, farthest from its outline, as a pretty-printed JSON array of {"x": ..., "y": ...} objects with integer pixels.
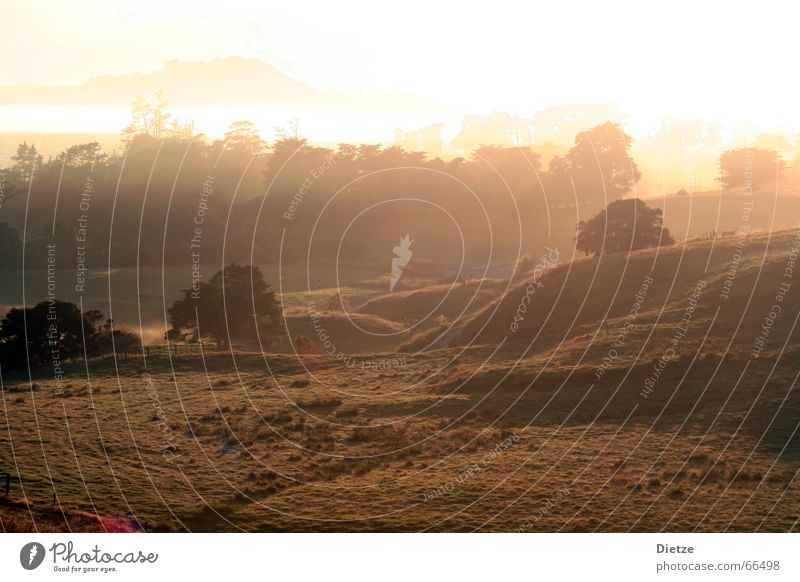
[{"x": 603, "y": 410}]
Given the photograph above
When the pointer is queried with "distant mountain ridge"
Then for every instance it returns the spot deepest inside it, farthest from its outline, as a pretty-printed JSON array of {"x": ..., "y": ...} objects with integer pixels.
[{"x": 223, "y": 82}]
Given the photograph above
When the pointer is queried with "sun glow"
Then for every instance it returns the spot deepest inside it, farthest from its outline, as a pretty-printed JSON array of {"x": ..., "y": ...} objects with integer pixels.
[{"x": 513, "y": 58}]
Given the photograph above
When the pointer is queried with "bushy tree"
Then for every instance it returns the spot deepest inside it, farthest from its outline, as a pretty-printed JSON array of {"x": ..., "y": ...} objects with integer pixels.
[
  {"x": 625, "y": 225},
  {"x": 26, "y": 161},
  {"x": 116, "y": 339},
  {"x": 243, "y": 137},
  {"x": 507, "y": 171},
  {"x": 155, "y": 120},
  {"x": 235, "y": 304},
  {"x": 35, "y": 335},
  {"x": 259, "y": 204},
  {"x": 751, "y": 168},
  {"x": 80, "y": 155},
  {"x": 50, "y": 333},
  {"x": 598, "y": 166}
]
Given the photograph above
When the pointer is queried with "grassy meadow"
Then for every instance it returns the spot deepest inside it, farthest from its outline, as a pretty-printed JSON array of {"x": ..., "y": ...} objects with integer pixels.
[{"x": 610, "y": 407}]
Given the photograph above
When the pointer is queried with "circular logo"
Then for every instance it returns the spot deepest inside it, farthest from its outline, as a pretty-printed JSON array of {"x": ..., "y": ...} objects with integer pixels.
[{"x": 31, "y": 555}]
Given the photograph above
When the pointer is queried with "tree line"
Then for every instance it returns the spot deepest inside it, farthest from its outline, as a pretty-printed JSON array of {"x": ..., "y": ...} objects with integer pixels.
[{"x": 140, "y": 204}]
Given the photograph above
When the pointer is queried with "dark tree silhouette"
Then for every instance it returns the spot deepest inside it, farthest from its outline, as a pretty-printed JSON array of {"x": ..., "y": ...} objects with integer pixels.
[
  {"x": 80, "y": 155},
  {"x": 117, "y": 339},
  {"x": 625, "y": 225},
  {"x": 235, "y": 304},
  {"x": 27, "y": 160},
  {"x": 55, "y": 332}
]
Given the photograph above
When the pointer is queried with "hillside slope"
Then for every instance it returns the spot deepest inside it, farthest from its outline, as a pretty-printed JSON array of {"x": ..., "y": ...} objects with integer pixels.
[
  {"x": 736, "y": 280},
  {"x": 680, "y": 414}
]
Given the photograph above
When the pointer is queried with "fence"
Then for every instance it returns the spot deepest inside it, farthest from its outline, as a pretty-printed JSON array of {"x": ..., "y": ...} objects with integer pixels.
[
  {"x": 177, "y": 349},
  {"x": 165, "y": 350}
]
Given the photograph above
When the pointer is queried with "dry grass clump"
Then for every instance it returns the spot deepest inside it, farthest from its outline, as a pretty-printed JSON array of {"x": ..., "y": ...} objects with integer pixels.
[
  {"x": 320, "y": 403},
  {"x": 377, "y": 434}
]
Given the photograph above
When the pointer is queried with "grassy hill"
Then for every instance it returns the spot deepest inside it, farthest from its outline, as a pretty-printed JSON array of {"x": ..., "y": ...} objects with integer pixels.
[
  {"x": 591, "y": 299},
  {"x": 693, "y": 215},
  {"x": 608, "y": 407},
  {"x": 452, "y": 301}
]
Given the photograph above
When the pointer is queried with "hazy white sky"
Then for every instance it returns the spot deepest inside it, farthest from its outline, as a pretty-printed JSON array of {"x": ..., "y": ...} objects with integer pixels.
[{"x": 727, "y": 60}]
